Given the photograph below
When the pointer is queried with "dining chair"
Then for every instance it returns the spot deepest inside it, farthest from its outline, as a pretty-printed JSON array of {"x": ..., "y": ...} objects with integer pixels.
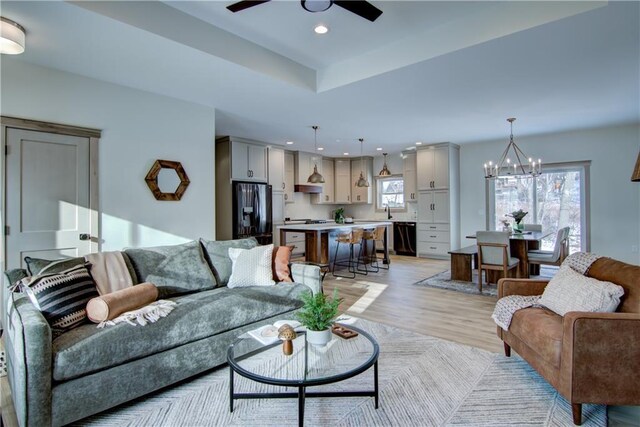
[
  {"x": 532, "y": 227},
  {"x": 557, "y": 255},
  {"x": 494, "y": 253}
]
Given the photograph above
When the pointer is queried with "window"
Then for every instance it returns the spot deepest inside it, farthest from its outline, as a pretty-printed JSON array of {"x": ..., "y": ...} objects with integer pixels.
[
  {"x": 390, "y": 192},
  {"x": 555, "y": 199}
]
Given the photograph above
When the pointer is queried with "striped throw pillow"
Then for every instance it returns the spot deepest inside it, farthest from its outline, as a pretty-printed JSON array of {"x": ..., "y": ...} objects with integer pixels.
[{"x": 62, "y": 298}]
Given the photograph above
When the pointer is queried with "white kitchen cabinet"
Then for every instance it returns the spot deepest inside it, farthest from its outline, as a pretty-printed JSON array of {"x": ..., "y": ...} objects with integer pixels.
[
  {"x": 289, "y": 177},
  {"x": 327, "y": 195},
  {"x": 410, "y": 178},
  {"x": 438, "y": 185},
  {"x": 248, "y": 161},
  {"x": 303, "y": 167},
  {"x": 433, "y": 168},
  {"x": 362, "y": 195},
  {"x": 277, "y": 211},
  {"x": 434, "y": 206},
  {"x": 296, "y": 239},
  {"x": 276, "y": 169},
  {"x": 342, "y": 182}
]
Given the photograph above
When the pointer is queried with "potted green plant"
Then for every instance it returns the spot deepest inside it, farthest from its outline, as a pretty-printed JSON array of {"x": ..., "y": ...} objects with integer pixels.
[
  {"x": 318, "y": 315},
  {"x": 338, "y": 215}
]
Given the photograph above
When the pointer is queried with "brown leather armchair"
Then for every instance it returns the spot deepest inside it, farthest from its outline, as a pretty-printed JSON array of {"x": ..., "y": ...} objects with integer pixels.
[{"x": 587, "y": 357}]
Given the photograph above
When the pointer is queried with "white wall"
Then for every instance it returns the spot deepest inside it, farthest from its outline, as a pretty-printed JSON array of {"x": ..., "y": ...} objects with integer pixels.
[
  {"x": 615, "y": 200},
  {"x": 137, "y": 128}
]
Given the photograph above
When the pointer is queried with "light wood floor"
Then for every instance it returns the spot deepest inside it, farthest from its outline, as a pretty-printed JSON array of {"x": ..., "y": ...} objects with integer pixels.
[{"x": 389, "y": 297}]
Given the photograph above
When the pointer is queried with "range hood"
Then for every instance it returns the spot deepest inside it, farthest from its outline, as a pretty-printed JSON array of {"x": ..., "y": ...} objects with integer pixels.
[{"x": 303, "y": 167}]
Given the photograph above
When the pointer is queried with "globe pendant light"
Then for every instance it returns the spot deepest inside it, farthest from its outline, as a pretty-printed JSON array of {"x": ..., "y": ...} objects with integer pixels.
[
  {"x": 362, "y": 182},
  {"x": 385, "y": 170},
  {"x": 315, "y": 177}
]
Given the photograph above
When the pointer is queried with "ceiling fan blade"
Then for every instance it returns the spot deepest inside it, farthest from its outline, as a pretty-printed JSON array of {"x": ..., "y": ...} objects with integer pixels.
[
  {"x": 246, "y": 4},
  {"x": 360, "y": 8}
]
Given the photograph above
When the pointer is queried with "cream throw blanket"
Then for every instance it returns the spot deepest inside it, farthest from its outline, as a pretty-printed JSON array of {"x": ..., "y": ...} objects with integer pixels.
[
  {"x": 109, "y": 271},
  {"x": 507, "y": 306},
  {"x": 148, "y": 314}
]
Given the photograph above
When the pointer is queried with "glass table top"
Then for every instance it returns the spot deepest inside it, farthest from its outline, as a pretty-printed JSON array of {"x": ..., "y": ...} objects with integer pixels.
[{"x": 309, "y": 364}]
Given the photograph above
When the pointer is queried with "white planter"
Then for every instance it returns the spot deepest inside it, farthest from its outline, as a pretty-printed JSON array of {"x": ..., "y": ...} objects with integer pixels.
[{"x": 319, "y": 338}]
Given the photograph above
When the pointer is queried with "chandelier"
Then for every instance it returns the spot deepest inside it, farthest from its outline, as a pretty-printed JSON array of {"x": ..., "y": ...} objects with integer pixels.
[{"x": 505, "y": 167}]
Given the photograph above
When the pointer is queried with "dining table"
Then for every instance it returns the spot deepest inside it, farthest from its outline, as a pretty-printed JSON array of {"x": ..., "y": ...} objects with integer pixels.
[{"x": 520, "y": 244}]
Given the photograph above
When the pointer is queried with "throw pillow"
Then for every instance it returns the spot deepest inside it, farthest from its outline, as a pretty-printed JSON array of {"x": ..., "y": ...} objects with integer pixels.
[
  {"x": 251, "y": 267},
  {"x": 38, "y": 266},
  {"x": 110, "y": 306},
  {"x": 217, "y": 252},
  {"x": 569, "y": 291},
  {"x": 63, "y": 297},
  {"x": 175, "y": 269},
  {"x": 280, "y": 263}
]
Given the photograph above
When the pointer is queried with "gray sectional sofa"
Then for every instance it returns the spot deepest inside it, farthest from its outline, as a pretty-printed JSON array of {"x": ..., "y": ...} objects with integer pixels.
[{"x": 88, "y": 370}]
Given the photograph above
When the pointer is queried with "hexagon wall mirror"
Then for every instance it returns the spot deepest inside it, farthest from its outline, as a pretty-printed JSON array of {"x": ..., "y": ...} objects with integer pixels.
[{"x": 167, "y": 180}]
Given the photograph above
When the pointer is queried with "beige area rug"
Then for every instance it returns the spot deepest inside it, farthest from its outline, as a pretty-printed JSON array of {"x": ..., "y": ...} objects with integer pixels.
[{"x": 424, "y": 381}]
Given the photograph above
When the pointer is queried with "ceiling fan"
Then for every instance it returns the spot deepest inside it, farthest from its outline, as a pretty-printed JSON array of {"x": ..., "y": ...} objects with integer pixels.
[{"x": 361, "y": 8}]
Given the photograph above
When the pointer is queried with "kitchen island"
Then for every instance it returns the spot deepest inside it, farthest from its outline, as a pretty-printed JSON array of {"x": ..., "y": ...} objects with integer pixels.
[{"x": 320, "y": 239}]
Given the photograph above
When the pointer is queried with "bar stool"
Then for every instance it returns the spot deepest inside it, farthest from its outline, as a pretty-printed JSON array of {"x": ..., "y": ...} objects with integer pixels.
[
  {"x": 375, "y": 235},
  {"x": 353, "y": 264}
]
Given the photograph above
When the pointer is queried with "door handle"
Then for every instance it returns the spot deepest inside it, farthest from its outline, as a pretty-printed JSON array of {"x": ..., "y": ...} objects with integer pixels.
[
  {"x": 248, "y": 173},
  {"x": 283, "y": 185},
  {"x": 286, "y": 197},
  {"x": 84, "y": 236}
]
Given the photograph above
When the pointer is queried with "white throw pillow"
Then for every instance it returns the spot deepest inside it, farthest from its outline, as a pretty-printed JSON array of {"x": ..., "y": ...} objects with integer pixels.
[
  {"x": 251, "y": 267},
  {"x": 569, "y": 291}
]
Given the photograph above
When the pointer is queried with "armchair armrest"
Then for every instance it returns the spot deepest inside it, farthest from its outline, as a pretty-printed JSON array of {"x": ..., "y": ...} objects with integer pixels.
[
  {"x": 307, "y": 274},
  {"x": 524, "y": 287},
  {"x": 600, "y": 359},
  {"x": 29, "y": 357}
]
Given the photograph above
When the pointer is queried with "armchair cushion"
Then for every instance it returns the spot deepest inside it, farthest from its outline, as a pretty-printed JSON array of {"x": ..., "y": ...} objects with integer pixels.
[
  {"x": 569, "y": 291},
  {"x": 542, "y": 330}
]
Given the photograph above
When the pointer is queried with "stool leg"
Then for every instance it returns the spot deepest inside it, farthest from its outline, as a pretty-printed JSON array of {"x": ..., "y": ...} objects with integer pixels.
[
  {"x": 349, "y": 264},
  {"x": 361, "y": 257}
]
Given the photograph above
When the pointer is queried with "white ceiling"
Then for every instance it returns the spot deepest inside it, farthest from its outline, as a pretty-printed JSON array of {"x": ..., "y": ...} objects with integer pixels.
[{"x": 265, "y": 81}]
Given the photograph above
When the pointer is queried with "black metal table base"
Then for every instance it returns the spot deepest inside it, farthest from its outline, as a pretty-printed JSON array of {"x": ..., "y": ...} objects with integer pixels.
[{"x": 302, "y": 394}]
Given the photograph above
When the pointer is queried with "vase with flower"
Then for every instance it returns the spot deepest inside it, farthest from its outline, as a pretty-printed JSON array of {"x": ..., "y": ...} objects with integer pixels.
[{"x": 518, "y": 216}]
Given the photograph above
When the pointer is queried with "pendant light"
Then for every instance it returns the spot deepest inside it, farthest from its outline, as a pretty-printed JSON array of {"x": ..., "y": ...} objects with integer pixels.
[
  {"x": 385, "y": 170},
  {"x": 504, "y": 167},
  {"x": 12, "y": 37},
  {"x": 362, "y": 182},
  {"x": 315, "y": 177}
]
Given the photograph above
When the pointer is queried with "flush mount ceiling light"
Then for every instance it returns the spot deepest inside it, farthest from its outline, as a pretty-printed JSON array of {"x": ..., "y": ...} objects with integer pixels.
[
  {"x": 321, "y": 29},
  {"x": 504, "y": 167},
  {"x": 419, "y": 143},
  {"x": 385, "y": 170},
  {"x": 345, "y": 154},
  {"x": 315, "y": 177},
  {"x": 289, "y": 142},
  {"x": 361, "y": 182},
  {"x": 379, "y": 149},
  {"x": 12, "y": 37}
]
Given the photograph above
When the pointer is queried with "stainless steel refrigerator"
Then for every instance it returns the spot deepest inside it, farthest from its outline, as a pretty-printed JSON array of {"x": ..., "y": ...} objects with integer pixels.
[{"x": 252, "y": 211}]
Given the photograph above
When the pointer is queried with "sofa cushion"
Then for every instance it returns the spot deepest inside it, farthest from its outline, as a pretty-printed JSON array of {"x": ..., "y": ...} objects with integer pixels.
[
  {"x": 281, "y": 259},
  {"x": 218, "y": 253},
  {"x": 541, "y": 330},
  {"x": 196, "y": 316},
  {"x": 175, "y": 270},
  {"x": 37, "y": 266},
  {"x": 251, "y": 267}
]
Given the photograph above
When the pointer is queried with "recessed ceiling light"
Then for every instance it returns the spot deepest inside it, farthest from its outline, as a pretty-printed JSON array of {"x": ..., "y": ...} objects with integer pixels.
[
  {"x": 379, "y": 148},
  {"x": 320, "y": 148},
  {"x": 321, "y": 29},
  {"x": 289, "y": 142},
  {"x": 418, "y": 143},
  {"x": 346, "y": 154}
]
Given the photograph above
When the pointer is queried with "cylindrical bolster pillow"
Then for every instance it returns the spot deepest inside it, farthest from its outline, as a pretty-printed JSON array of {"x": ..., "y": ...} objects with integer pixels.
[{"x": 110, "y": 306}]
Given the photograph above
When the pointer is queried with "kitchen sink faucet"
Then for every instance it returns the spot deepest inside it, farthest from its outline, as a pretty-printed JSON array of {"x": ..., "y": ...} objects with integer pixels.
[{"x": 388, "y": 210}]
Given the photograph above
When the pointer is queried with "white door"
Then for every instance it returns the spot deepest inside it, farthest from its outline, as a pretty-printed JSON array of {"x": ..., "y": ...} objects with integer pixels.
[
  {"x": 276, "y": 169},
  {"x": 47, "y": 196},
  {"x": 342, "y": 182},
  {"x": 441, "y": 168},
  {"x": 425, "y": 173},
  {"x": 289, "y": 177},
  {"x": 425, "y": 206},
  {"x": 409, "y": 175},
  {"x": 441, "y": 206},
  {"x": 328, "y": 186},
  {"x": 240, "y": 161},
  {"x": 258, "y": 162}
]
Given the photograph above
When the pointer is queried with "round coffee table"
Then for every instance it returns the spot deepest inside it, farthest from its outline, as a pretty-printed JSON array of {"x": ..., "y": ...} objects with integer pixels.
[{"x": 308, "y": 366}]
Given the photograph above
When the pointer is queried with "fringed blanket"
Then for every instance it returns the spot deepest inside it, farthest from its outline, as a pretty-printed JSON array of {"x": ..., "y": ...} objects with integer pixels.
[
  {"x": 507, "y": 306},
  {"x": 148, "y": 314}
]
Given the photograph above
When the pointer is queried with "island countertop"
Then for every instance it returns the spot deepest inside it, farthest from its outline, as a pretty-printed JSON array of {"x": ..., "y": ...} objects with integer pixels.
[{"x": 332, "y": 226}]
